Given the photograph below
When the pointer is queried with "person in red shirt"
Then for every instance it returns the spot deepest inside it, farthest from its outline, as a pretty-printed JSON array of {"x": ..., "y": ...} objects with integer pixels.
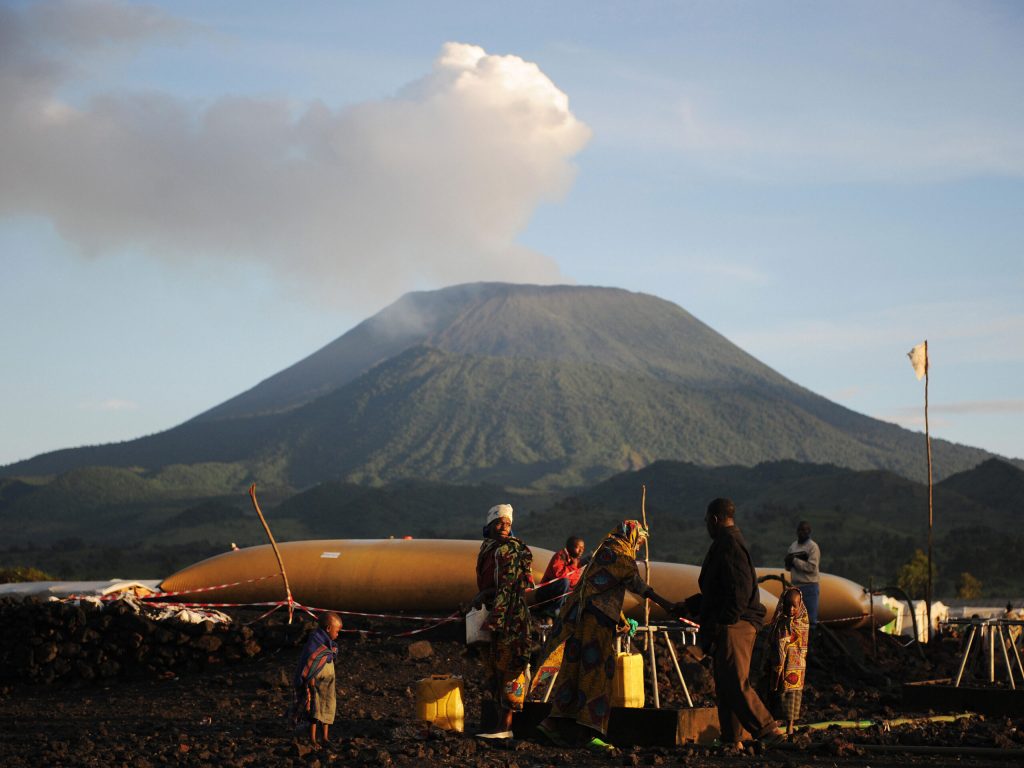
[{"x": 561, "y": 577}]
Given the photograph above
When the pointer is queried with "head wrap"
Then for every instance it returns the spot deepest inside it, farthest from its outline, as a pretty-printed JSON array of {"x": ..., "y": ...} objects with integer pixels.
[
  {"x": 499, "y": 510},
  {"x": 630, "y": 531}
]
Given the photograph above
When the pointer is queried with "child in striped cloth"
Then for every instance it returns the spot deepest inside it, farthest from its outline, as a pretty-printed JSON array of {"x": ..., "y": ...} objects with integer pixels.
[{"x": 787, "y": 648}]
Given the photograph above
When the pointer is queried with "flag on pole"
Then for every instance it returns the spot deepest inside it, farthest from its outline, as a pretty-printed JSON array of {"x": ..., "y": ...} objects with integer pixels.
[{"x": 919, "y": 359}]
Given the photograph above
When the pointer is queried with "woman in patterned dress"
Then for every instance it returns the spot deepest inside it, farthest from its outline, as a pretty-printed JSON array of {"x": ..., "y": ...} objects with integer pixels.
[
  {"x": 504, "y": 572},
  {"x": 587, "y": 625}
]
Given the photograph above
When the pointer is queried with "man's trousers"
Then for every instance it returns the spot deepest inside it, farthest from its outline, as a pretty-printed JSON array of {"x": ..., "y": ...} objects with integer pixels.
[{"x": 738, "y": 703}]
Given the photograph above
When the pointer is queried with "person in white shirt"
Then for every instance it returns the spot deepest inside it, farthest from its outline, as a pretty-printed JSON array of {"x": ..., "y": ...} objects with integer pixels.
[{"x": 802, "y": 563}]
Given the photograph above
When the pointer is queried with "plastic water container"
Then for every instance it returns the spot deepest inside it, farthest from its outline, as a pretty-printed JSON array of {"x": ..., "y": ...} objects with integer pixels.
[
  {"x": 475, "y": 632},
  {"x": 628, "y": 684},
  {"x": 439, "y": 701}
]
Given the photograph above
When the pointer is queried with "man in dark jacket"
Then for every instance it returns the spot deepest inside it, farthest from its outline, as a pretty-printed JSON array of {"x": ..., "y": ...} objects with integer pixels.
[{"x": 730, "y": 612}]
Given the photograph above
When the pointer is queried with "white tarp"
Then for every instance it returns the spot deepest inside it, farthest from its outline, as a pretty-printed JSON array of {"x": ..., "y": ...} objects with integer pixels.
[
  {"x": 91, "y": 592},
  {"x": 63, "y": 589},
  {"x": 903, "y": 625}
]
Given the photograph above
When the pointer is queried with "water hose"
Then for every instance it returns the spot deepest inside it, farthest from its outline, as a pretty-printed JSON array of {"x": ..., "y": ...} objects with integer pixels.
[{"x": 886, "y": 724}]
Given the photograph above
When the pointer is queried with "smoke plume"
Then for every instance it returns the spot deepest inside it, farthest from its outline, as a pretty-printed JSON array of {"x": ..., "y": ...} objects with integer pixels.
[{"x": 357, "y": 203}]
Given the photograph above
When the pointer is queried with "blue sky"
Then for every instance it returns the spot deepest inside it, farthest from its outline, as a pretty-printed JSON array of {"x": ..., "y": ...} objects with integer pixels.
[{"x": 196, "y": 195}]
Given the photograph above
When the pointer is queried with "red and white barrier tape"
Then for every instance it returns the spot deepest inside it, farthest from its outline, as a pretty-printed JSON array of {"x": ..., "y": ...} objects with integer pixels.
[
  {"x": 276, "y": 604},
  {"x": 557, "y": 578},
  {"x": 197, "y": 590},
  {"x": 158, "y": 596},
  {"x": 550, "y": 600}
]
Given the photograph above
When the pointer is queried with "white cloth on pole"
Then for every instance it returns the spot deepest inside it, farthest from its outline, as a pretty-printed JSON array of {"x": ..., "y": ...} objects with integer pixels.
[{"x": 919, "y": 359}]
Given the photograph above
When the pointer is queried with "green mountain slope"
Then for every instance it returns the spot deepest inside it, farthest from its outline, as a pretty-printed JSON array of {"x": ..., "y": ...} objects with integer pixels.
[
  {"x": 104, "y": 523},
  {"x": 543, "y": 423},
  {"x": 528, "y": 386},
  {"x": 867, "y": 523},
  {"x": 994, "y": 484}
]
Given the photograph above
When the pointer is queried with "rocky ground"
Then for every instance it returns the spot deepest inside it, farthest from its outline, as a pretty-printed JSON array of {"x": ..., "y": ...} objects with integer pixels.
[{"x": 231, "y": 714}]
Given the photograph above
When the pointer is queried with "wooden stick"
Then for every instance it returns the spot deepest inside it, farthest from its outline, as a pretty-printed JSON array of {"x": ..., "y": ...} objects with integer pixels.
[
  {"x": 871, "y": 604},
  {"x": 928, "y": 441},
  {"x": 647, "y": 561},
  {"x": 277, "y": 553}
]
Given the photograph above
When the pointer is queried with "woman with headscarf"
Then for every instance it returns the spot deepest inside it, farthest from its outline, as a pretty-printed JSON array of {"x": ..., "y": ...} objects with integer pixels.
[
  {"x": 787, "y": 654},
  {"x": 504, "y": 572},
  {"x": 587, "y": 625}
]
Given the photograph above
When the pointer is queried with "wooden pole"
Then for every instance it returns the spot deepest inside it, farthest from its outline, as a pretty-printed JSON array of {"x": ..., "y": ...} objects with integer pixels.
[
  {"x": 871, "y": 607},
  {"x": 277, "y": 553},
  {"x": 928, "y": 441},
  {"x": 647, "y": 562}
]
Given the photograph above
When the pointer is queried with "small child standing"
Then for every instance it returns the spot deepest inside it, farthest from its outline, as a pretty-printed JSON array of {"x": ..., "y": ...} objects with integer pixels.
[
  {"x": 314, "y": 681},
  {"x": 787, "y": 648}
]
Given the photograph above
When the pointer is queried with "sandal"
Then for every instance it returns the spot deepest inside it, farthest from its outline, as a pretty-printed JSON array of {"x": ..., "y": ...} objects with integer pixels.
[
  {"x": 499, "y": 735},
  {"x": 599, "y": 746},
  {"x": 773, "y": 739}
]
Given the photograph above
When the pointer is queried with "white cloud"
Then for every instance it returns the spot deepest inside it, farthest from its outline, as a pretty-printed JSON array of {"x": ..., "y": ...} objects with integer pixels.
[{"x": 353, "y": 205}]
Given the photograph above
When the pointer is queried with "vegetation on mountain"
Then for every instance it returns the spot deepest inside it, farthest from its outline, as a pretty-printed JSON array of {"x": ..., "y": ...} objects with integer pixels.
[
  {"x": 563, "y": 400},
  {"x": 540, "y": 387},
  {"x": 19, "y": 574},
  {"x": 912, "y": 576},
  {"x": 968, "y": 587},
  {"x": 868, "y": 523}
]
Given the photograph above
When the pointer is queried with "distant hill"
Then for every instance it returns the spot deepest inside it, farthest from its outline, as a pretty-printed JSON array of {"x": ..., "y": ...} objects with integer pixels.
[
  {"x": 868, "y": 523},
  {"x": 517, "y": 385},
  {"x": 994, "y": 484}
]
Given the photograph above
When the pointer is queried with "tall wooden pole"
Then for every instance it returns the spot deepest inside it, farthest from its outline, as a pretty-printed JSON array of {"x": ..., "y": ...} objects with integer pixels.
[
  {"x": 647, "y": 567},
  {"x": 277, "y": 553},
  {"x": 928, "y": 441}
]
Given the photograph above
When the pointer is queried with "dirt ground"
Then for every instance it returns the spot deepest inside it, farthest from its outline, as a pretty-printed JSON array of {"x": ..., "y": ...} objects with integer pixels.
[{"x": 233, "y": 716}]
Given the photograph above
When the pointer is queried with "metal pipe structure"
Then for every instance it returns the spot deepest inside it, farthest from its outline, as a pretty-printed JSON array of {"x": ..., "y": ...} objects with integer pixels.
[
  {"x": 690, "y": 638},
  {"x": 900, "y": 594},
  {"x": 679, "y": 671},
  {"x": 989, "y": 629},
  {"x": 967, "y": 652},
  {"x": 1006, "y": 657},
  {"x": 649, "y": 642}
]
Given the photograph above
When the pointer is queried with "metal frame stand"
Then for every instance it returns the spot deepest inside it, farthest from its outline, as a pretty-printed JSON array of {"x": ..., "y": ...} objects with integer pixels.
[
  {"x": 988, "y": 630},
  {"x": 689, "y": 637}
]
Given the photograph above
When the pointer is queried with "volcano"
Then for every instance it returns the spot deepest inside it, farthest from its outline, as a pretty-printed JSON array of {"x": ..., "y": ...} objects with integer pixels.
[{"x": 526, "y": 386}]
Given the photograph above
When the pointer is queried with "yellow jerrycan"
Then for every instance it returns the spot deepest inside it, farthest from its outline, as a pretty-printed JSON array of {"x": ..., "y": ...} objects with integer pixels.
[
  {"x": 439, "y": 701},
  {"x": 628, "y": 683}
]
